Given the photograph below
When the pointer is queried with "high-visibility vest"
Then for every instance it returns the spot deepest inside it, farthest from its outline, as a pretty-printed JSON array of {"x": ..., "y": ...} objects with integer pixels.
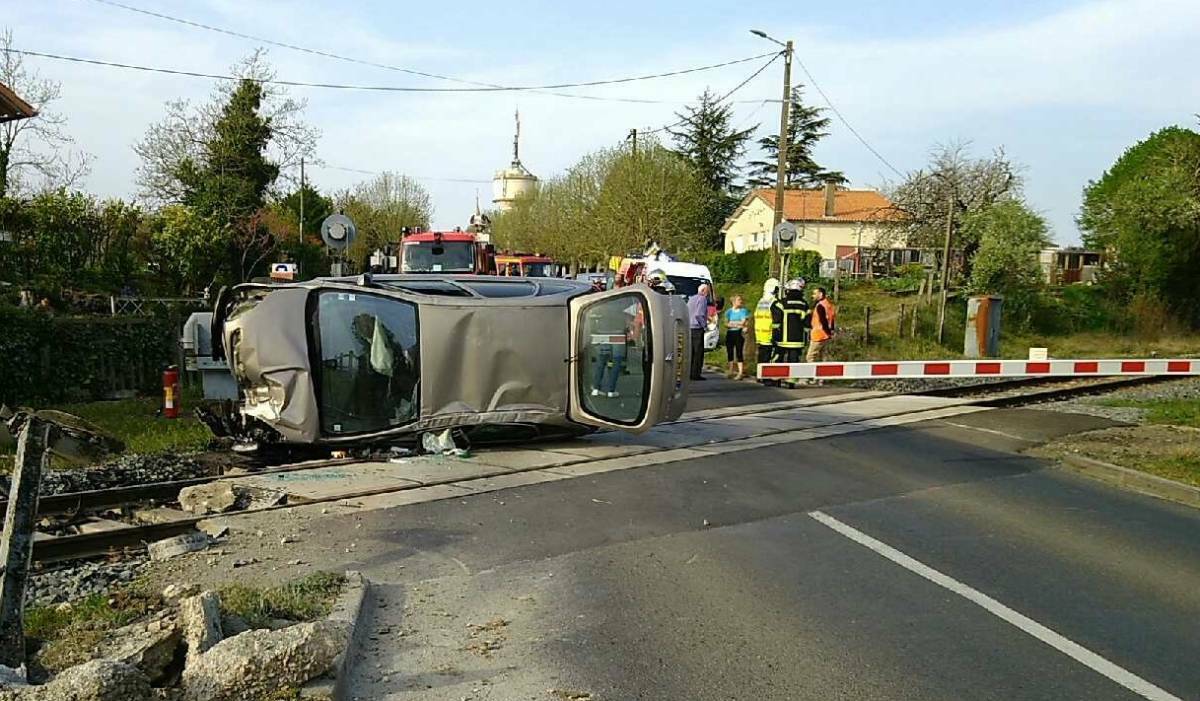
[
  {"x": 794, "y": 311},
  {"x": 818, "y": 333},
  {"x": 762, "y": 322}
]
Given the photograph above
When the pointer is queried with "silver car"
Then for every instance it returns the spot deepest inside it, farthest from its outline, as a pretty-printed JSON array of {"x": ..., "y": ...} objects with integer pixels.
[{"x": 344, "y": 361}]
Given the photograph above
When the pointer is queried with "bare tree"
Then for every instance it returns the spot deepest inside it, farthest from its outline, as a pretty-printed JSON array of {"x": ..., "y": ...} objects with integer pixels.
[
  {"x": 38, "y": 146},
  {"x": 924, "y": 198},
  {"x": 186, "y": 128}
]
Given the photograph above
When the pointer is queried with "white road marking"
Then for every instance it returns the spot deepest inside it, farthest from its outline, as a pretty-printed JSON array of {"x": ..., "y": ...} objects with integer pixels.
[
  {"x": 1118, "y": 674},
  {"x": 990, "y": 430}
]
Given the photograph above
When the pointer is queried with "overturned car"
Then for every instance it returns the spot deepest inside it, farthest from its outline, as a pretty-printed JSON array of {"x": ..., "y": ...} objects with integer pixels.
[{"x": 384, "y": 359}]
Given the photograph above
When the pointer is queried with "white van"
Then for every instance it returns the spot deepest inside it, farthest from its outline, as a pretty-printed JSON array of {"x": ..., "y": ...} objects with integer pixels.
[{"x": 687, "y": 278}]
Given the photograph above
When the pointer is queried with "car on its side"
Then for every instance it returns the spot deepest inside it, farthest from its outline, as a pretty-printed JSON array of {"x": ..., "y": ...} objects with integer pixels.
[{"x": 385, "y": 358}]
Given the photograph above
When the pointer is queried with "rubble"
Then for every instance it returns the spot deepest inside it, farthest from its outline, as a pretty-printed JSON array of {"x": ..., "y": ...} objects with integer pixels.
[
  {"x": 260, "y": 661},
  {"x": 98, "y": 680},
  {"x": 200, "y": 617},
  {"x": 221, "y": 497},
  {"x": 148, "y": 645},
  {"x": 179, "y": 545},
  {"x": 122, "y": 471}
]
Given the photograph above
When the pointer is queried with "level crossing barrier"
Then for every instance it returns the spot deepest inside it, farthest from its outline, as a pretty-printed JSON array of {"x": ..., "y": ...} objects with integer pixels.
[{"x": 884, "y": 370}]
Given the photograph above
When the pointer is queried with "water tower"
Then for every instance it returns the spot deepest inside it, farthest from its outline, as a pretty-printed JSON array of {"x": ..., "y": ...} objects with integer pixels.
[{"x": 515, "y": 180}]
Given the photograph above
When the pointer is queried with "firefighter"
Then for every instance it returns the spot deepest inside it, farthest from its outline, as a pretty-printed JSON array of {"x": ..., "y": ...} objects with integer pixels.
[
  {"x": 763, "y": 324},
  {"x": 794, "y": 322}
]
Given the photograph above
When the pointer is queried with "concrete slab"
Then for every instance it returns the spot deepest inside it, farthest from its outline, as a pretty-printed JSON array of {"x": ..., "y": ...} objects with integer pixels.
[
  {"x": 326, "y": 482},
  {"x": 517, "y": 479},
  {"x": 761, "y": 424},
  {"x": 521, "y": 459},
  {"x": 625, "y": 463},
  {"x": 758, "y": 442}
]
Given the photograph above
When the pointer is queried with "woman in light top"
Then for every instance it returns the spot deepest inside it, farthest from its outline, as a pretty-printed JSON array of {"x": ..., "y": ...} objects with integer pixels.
[{"x": 736, "y": 318}]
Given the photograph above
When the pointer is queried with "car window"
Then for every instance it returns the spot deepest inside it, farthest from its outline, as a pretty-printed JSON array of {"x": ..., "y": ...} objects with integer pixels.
[
  {"x": 444, "y": 257},
  {"x": 496, "y": 288},
  {"x": 537, "y": 269},
  {"x": 369, "y": 376},
  {"x": 688, "y": 286},
  {"x": 614, "y": 372}
]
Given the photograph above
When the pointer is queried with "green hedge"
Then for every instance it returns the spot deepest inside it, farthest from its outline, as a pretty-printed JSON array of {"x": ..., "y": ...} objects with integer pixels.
[{"x": 47, "y": 359}]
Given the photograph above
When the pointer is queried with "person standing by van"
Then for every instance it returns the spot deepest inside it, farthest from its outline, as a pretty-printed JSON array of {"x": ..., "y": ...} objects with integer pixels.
[
  {"x": 736, "y": 318},
  {"x": 697, "y": 306}
]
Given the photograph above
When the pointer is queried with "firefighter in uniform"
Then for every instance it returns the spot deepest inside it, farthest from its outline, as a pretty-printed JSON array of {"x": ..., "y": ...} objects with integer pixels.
[
  {"x": 794, "y": 322},
  {"x": 764, "y": 326}
]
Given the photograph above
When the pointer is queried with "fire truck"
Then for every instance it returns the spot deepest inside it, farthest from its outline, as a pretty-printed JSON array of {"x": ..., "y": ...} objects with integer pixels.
[
  {"x": 525, "y": 265},
  {"x": 458, "y": 252}
]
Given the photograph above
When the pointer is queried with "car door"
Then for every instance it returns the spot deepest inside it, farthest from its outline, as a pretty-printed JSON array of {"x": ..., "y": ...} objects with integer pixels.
[{"x": 629, "y": 355}]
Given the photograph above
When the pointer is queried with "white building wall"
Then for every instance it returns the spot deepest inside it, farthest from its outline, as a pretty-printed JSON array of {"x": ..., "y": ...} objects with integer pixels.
[{"x": 751, "y": 231}]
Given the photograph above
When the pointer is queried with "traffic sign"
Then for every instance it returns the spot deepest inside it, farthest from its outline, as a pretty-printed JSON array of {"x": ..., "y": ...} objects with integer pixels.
[
  {"x": 785, "y": 233},
  {"x": 338, "y": 231}
]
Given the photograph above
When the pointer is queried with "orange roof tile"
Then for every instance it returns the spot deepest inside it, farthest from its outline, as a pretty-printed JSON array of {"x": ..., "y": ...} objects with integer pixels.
[
  {"x": 848, "y": 205},
  {"x": 12, "y": 106}
]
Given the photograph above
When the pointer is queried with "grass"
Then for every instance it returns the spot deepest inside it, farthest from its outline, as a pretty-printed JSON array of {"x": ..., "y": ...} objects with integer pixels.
[
  {"x": 887, "y": 344},
  {"x": 1184, "y": 467},
  {"x": 135, "y": 422},
  {"x": 305, "y": 599},
  {"x": 68, "y": 634},
  {"x": 1171, "y": 412}
]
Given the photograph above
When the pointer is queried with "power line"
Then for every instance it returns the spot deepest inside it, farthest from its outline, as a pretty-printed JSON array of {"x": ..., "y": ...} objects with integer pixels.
[
  {"x": 726, "y": 96},
  {"x": 813, "y": 81},
  {"x": 426, "y": 74},
  {"x": 376, "y": 88}
]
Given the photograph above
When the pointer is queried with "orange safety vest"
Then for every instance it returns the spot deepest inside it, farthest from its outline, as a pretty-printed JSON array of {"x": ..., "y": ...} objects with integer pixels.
[{"x": 818, "y": 333}]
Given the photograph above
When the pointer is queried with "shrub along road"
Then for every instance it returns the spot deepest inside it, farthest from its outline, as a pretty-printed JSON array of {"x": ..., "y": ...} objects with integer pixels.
[{"x": 928, "y": 561}]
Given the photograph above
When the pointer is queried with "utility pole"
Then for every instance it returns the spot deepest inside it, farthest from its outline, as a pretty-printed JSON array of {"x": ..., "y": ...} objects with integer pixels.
[
  {"x": 302, "y": 199},
  {"x": 781, "y": 166},
  {"x": 946, "y": 266},
  {"x": 633, "y": 139}
]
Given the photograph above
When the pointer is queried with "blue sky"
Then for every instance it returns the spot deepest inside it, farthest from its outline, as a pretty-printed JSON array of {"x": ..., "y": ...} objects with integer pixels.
[{"x": 1064, "y": 87}]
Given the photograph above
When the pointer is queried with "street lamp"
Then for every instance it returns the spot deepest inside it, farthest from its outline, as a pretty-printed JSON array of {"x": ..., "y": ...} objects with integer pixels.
[{"x": 781, "y": 166}]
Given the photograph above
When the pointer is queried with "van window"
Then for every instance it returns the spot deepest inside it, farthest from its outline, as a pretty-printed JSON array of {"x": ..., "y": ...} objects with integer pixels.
[
  {"x": 369, "y": 376},
  {"x": 614, "y": 375},
  {"x": 688, "y": 286}
]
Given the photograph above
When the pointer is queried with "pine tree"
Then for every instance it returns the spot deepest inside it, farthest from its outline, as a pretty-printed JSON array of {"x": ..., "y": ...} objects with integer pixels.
[
  {"x": 707, "y": 139},
  {"x": 806, "y": 126}
]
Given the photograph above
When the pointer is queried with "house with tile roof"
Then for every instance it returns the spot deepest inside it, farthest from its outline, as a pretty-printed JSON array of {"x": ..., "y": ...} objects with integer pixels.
[{"x": 836, "y": 222}]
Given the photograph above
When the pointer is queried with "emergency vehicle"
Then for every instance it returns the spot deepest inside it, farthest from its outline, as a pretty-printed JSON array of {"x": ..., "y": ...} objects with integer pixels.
[
  {"x": 525, "y": 265},
  {"x": 686, "y": 278},
  {"x": 450, "y": 252}
]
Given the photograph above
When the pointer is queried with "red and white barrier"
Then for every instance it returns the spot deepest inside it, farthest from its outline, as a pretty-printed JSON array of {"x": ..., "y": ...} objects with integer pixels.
[{"x": 976, "y": 368}]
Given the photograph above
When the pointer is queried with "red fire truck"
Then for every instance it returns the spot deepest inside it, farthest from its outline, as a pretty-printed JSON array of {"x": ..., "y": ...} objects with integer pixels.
[{"x": 458, "y": 252}]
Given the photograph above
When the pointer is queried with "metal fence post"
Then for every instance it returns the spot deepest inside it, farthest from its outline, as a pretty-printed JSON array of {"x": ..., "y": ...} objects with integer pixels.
[{"x": 867, "y": 324}]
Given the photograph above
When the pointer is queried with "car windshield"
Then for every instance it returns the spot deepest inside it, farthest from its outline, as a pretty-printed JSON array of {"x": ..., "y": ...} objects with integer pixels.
[
  {"x": 537, "y": 269},
  {"x": 370, "y": 370},
  {"x": 688, "y": 286},
  {"x": 433, "y": 257}
]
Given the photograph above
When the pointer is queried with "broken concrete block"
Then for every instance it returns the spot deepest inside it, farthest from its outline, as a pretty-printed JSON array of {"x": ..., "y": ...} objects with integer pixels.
[
  {"x": 148, "y": 645},
  {"x": 174, "y": 592},
  {"x": 160, "y": 514},
  {"x": 98, "y": 680},
  {"x": 215, "y": 528},
  {"x": 260, "y": 661},
  {"x": 211, "y": 498},
  {"x": 200, "y": 617},
  {"x": 172, "y": 547}
]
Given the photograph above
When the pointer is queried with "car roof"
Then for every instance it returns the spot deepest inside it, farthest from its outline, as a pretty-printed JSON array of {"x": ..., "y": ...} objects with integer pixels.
[{"x": 476, "y": 286}]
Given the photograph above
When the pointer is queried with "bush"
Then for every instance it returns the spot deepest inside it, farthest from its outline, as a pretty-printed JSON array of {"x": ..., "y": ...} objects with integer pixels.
[
  {"x": 51, "y": 359},
  {"x": 907, "y": 278},
  {"x": 725, "y": 268}
]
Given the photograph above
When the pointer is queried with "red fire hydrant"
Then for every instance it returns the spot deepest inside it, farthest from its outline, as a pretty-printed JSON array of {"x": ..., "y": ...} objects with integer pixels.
[{"x": 171, "y": 392}]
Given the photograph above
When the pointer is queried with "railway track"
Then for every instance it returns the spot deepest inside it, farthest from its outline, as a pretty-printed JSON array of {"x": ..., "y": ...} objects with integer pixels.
[{"x": 1006, "y": 393}]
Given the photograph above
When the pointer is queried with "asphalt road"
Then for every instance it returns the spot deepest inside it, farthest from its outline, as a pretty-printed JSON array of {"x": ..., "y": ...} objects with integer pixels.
[{"x": 710, "y": 579}]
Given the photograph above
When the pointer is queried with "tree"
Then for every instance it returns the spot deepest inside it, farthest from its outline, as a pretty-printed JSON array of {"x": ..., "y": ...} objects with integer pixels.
[
  {"x": 1145, "y": 211},
  {"x": 380, "y": 208},
  {"x": 316, "y": 208},
  {"x": 186, "y": 130},
  {"x": 186, "y": 248},
  {"x": 954, "y": 183},
  {"x": 707, "y": 139},
  {"x": 1010, "y": 236},
  {"x": 806, "y": 126},
  {"x": 38, "y": 145}
]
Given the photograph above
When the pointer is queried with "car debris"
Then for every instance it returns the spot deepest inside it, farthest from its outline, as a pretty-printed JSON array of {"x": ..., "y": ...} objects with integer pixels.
[{"x": 349, "y": 362}]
